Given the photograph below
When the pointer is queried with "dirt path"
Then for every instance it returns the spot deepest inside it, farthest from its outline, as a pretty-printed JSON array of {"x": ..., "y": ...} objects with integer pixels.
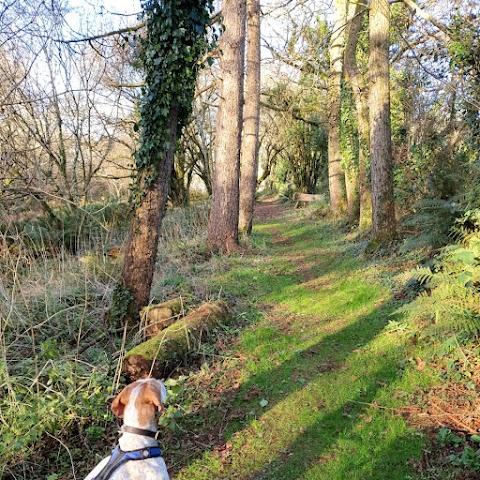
[{"x": 270, "y": 209}]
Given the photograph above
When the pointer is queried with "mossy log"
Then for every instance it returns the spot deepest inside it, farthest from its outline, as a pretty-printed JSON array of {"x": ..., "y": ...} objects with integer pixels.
[
  {"x": 156, "y": 318},
  {"x": 170, "y": 347}
]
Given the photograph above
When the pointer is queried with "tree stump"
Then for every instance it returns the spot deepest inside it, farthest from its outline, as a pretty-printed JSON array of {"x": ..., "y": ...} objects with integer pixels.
[{"x": 170, "y": 347}]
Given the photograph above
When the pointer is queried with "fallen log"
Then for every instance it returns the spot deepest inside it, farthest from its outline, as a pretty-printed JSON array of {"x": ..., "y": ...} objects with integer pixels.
[
  {"x": 302, "y": 198},
  {"x": 158, "y": 317},
  {"x": 170, "y": 347}
]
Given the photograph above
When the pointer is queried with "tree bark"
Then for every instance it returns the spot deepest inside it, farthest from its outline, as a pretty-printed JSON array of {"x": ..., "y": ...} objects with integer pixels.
[
  {"x": 336, "y": 175},
  {"x": 353, "y": 198},
  {"x": 360, "y": 95},
  {"x": 142, "y": 245},
  {"x": 162, "y": 353},
  {"x": 223, "y": 221},
  {"x": 251, "y": 120},
  {"x": 383, "y": 208}
]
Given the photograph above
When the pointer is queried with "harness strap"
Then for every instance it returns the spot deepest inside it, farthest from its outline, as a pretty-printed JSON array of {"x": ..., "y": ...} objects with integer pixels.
[{"x": 119, "y": 457}]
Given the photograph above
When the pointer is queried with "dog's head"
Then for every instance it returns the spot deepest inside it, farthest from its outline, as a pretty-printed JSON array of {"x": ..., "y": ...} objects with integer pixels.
[{"x": 140, "y": 400}]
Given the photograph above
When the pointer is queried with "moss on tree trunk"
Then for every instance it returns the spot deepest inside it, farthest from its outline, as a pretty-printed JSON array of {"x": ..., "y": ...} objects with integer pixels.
[{"x": 170, "y": 347}]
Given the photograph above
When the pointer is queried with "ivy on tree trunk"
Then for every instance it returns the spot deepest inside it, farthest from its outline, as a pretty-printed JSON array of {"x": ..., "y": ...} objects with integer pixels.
[{"x": 169, "y": 55}]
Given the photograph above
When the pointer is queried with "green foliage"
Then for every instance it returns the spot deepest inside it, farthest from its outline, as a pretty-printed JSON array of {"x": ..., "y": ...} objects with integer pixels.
[
  {"x": 119, "y": 309},
  {"x": 464, "y": 51},
  {"x": 169, "y": 55},
  {"x": 463, "y": 455},
  {"x": 464, "y": 44},
  {"x": 64, "y": 395},
  {"x": 299, "y": 133},
  {"x": 452, "y": 298},
  {"x": 307, "y": 158},
  {"x": 173, "y": 414},
  {"x": 432, "y": 221}
]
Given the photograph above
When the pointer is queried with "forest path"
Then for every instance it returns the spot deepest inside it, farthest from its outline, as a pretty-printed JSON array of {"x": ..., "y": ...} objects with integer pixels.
[{"x": 317, "y": 373}]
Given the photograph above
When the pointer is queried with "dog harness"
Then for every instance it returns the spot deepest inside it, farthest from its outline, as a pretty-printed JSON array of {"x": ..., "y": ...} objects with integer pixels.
[{"x": 119, "y": 457}]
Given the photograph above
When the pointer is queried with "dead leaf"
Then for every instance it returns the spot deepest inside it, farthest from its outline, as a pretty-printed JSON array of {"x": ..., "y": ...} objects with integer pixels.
[{"x": 421, "y": 364}]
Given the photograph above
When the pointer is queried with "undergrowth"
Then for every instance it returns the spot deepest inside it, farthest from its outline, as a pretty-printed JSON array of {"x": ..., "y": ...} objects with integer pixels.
[
  {"x": 450, "y": 299},
  {"x": 59, "y": 356},
  {"x": 306, "y": 382}
]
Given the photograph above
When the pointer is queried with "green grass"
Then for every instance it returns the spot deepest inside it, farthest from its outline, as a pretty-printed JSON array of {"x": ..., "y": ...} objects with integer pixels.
[
  {"x": 320, "y": 375},
  {"x": 303, "y": 384}
]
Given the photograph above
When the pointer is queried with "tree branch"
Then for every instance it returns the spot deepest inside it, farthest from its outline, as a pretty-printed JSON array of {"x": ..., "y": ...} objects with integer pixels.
[
  {"x": 416, "y": 9},
  {"x": 103, "y": 35},
  {"x": 293, "y": 113}
]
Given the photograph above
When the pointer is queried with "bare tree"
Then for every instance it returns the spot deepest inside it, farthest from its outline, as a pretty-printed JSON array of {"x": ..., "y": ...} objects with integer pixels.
[{"x": 67, "y": 117}]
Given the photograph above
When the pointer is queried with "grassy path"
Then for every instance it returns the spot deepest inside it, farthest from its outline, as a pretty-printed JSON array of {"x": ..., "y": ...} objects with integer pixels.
[{"x": 309, "y": 389}]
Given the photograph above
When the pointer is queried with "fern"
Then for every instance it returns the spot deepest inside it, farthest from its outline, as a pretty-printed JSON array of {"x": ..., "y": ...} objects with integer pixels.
[
  {"x": 433, "y": 220},
  {"x": 452, "y": 301},
  {"x": 423, "y": 275}
]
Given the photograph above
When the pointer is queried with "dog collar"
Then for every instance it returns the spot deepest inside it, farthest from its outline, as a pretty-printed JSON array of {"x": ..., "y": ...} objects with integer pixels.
[
  {"x": 119, "y": 457},
  {"x": 139, "y": 431}
]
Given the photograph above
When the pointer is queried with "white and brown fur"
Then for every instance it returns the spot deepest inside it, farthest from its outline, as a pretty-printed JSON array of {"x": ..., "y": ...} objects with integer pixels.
[{"x": 137, "y": 404}]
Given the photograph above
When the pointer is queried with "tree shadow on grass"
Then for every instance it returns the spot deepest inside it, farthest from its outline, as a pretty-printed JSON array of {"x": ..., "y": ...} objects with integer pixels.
[
  {"x": 238, "y": 412},
  {"x": 329, "y": 448},
  {"x": 326, "y": 357}
]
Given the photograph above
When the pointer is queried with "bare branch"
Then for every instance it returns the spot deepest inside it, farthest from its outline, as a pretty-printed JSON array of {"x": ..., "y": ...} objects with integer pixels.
[
  {"x": 416, "y": 9},
  {"x": 102, "y": 35}
]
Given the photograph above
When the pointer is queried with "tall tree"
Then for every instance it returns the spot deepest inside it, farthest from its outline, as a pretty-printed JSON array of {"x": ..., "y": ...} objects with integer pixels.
[
  {"x": 223, "y": 221},
  {"x": 174, "y": 43},
  {"x": 336, "y": 175},
  {"x": 383, "y": 208},
  {"x": 360, "y": 95},
  {"x": 251, "y": 120}
]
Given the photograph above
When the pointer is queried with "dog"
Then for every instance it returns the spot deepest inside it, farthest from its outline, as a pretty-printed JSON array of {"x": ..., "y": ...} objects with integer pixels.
[{"x": 137, "y": 455}]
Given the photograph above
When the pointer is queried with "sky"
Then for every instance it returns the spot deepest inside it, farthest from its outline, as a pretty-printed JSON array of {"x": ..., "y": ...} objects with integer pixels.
[{"x": 96, "y": 16}]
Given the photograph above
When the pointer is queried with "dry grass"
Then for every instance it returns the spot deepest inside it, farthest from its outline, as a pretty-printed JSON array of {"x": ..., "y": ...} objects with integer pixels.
[{"x": 59, "y": 358}]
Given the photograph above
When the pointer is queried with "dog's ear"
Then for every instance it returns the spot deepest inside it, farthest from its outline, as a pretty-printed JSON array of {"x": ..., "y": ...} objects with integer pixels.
[
  {"x": 155, "y": 394},
  {"x": 120, "y": 402}
]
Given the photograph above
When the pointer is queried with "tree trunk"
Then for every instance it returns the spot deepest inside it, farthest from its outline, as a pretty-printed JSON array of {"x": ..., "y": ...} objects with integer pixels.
[
  {"x": 383, "y": 208},
  {"x": 162, "y": 353},
  {"x": 179, "y": 193},
  {"x": 251, "y": 120},
  {"x": 353, "y": 201},
  {"x": 336, "y": 176},
  {"x": 223, "y": 221},
  {"x": 142, "y": 245},
  {"x": 360, "y": 95},
  {"x": 170, "y": 58}
]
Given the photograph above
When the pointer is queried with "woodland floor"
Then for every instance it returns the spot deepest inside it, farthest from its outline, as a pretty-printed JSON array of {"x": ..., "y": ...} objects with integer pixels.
[
  {"x": 315, "y": 384},
  {"x": 318, "y": 377}
]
